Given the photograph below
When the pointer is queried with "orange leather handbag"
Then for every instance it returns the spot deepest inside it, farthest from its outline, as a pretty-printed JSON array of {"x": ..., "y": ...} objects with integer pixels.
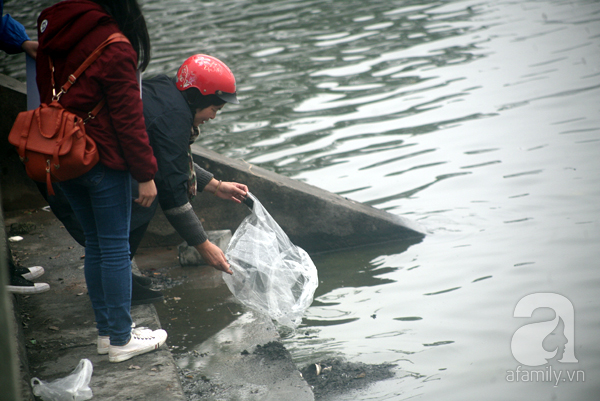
[{"x": 51, "y": 141}]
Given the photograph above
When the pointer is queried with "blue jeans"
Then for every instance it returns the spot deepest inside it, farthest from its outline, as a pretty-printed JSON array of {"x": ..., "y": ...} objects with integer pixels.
[{"x": 101, "y": 200}]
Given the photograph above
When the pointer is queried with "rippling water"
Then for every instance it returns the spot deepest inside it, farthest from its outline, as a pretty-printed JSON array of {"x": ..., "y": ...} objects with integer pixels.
[{"x": 480, "y": 120}]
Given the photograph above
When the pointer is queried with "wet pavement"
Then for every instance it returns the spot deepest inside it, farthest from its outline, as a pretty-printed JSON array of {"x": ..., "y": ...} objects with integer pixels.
[
  {"x": 243, "y": 362},
  {"x": 57, "y": 330}
]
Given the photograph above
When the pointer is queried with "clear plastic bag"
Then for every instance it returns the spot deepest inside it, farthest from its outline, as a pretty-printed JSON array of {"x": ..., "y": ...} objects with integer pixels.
[
  {"x": 270, "y": 273},
  {"x": 74, "y": 387}
]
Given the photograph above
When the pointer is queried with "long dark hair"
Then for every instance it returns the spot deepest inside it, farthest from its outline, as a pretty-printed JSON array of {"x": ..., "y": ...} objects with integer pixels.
[{"x": 132, "y": 23}]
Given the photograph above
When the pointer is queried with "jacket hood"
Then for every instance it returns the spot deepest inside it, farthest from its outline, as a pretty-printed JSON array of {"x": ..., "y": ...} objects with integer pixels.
[{"x": 62, "y": 26}]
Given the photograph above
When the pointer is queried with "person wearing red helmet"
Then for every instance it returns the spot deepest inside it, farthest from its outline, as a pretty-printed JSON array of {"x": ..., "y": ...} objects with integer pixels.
[{"x": 174, "y": 108}]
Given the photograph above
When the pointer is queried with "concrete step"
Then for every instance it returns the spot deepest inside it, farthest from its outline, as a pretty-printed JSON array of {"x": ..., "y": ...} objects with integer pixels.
[
  {"x": 58, "y": 330},
  {"x": 58, "y": 325}
]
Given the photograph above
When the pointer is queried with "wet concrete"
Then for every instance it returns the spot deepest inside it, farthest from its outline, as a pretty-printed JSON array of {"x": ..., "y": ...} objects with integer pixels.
[
  {"x": 243, "y": 362},
  {"x": 223, "y": 350},
  {"x": 58, "y": 327},
  {"x": 57, "y": 330}
]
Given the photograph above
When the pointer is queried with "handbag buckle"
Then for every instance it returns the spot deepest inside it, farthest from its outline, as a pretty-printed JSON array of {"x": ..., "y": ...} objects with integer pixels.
[
  {"x": 56, "y": 96},
  {"x": 89, "y": 117}
]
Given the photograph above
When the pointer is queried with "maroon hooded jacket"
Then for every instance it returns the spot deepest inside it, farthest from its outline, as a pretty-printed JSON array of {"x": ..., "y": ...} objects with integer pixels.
[{"x": 69, "y": 32}]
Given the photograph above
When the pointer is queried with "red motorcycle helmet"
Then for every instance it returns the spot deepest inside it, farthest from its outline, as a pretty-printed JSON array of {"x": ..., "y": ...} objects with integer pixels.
[{"x": 209, "y": 75}]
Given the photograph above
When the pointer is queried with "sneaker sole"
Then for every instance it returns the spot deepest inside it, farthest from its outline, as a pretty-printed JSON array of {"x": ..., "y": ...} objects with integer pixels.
[{"x": 34, "y": 289}]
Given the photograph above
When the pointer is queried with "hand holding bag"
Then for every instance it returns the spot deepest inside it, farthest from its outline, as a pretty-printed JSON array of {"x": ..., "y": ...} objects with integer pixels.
[{"x": 51, "y": 141}]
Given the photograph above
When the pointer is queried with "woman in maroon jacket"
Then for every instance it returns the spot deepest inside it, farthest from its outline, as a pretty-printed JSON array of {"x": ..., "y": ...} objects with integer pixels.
[{"x": 68, "y": 33}]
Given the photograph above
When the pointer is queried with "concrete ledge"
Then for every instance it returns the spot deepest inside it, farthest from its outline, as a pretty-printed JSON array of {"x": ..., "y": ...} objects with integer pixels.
[
  {"x": 59, "y": 329},
  {"x": 314, "y": 219}
]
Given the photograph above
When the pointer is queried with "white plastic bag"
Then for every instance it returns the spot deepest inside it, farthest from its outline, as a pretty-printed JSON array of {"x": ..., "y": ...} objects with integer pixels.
[
  {"x": 270, "y": 274},
  {"x": 74, "y": 387}
]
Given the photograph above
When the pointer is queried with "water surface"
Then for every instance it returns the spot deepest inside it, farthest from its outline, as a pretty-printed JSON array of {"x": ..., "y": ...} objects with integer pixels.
[{"x": 479, "y": 120}]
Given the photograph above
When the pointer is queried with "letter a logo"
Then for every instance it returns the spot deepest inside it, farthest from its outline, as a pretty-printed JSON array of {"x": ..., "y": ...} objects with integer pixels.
[{"x": 526, "y": 344}]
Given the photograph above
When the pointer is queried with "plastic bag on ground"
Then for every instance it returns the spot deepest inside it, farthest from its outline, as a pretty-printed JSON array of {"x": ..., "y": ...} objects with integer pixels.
[
  {"x": 270, "y": 273},
  {"x": 74, "y": 387}
]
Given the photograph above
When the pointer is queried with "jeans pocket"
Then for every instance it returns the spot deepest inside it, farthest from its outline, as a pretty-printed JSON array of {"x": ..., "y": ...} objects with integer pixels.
[{"x": 94, "y": 176}]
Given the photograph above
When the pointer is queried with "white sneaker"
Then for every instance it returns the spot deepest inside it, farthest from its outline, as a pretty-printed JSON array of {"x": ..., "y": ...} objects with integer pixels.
[
  {"x": 141, "y": 341},
  {"x": 104, "y": 341}
]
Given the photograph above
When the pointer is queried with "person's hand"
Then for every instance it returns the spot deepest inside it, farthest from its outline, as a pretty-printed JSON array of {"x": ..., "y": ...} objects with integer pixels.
[
  {"x": 231, "y": 191},
  {"x": 30, "y": 47},
  {"x": 214, "y": 256},
  {"x": 147, "y": 193}
]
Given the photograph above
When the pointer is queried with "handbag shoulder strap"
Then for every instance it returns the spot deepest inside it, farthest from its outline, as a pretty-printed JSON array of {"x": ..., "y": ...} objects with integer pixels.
[{"x": 115, "y": 37}]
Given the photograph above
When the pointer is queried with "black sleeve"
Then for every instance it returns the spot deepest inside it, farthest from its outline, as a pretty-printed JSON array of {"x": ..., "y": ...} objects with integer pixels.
[
  {"x": 203, "y": 177},
  {"x": 187, "y": 224}
]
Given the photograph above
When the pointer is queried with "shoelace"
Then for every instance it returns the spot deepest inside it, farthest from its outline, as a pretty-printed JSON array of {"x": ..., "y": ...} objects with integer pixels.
[{"x": 140, "y": 336}]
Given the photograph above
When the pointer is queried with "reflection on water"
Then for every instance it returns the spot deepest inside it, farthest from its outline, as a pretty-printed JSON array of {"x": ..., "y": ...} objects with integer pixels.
[{"x": 478, "y": 119}]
